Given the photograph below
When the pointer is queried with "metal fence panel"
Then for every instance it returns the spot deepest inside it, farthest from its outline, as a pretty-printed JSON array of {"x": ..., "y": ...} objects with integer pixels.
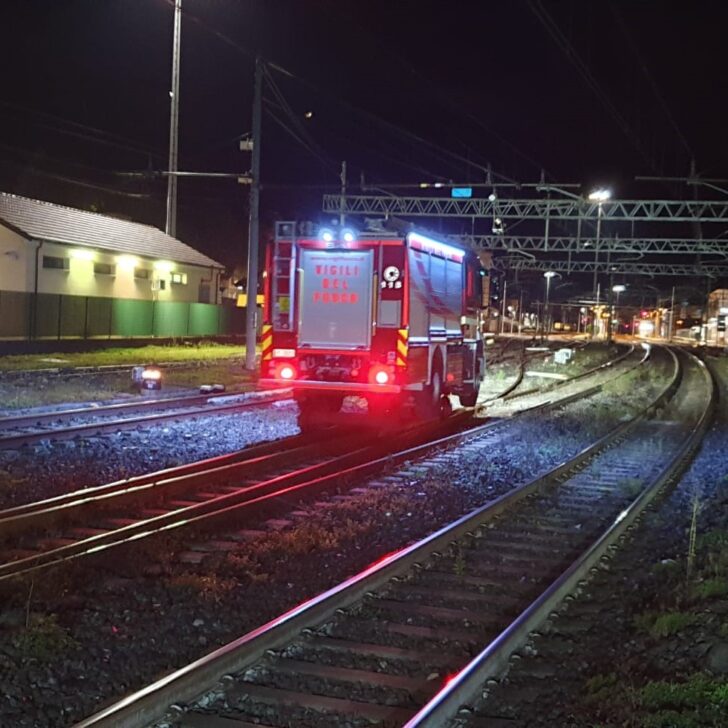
[
  {"x": 72, "y": 316},
  {"x": 15, "y": 313},
  {"x": 51, "y": 316},
  {"x": 132, "y": 318},
  {"x": 170, "y": 318},
  {"x": 204, "y": 319}
]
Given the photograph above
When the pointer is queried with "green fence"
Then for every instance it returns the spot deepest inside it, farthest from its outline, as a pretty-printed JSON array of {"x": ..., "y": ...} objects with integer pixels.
[{"x": 50, "y": 316}]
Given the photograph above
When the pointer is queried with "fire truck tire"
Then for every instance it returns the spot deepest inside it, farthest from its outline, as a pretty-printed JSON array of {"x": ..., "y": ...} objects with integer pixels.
[
  {"x": 428, "y": 404},
  {"x": 469, "y": 397}
]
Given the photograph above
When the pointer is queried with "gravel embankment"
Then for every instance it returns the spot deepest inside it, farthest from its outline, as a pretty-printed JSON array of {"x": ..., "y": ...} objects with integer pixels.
[
  {"x": 51, "y": 468},
  {"x": 98, "y": 633},
  {"x": 663, "y": 661}
]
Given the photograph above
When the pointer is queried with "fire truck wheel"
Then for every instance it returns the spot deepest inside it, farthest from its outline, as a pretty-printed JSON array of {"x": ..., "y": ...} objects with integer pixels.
[
  {"x": 428, "y": 403},
  {"x": 469, "y": 397}
]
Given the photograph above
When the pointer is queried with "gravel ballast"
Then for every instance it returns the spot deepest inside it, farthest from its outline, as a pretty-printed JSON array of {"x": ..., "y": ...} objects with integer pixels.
[
  {"x": 663, "y": 660},
  {"x": 96, "y": 633}
]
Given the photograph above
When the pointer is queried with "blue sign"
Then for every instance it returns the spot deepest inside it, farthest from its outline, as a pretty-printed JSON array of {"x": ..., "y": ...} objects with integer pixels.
[{"x": 461, "y": 192}]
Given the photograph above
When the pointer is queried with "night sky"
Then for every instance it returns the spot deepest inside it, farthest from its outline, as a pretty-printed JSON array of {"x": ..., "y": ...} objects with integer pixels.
[{"x": 405, "y": 91}]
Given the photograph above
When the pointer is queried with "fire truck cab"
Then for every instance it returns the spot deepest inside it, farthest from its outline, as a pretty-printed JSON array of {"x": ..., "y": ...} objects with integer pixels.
[{"x": 390, "y": 318}]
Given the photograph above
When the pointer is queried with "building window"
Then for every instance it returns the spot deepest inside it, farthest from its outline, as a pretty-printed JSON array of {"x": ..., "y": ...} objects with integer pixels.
[
  {"x": 179, "y": 279},
  {"x": 142, "y": 273},
  {"x": 104, "y": 269},
  {"x": 55, "y": 263}
]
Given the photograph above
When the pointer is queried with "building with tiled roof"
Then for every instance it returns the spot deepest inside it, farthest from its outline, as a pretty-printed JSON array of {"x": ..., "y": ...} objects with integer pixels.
[
  {"x": 85, "y": 253},
  {"x": 65, "y": 257}
]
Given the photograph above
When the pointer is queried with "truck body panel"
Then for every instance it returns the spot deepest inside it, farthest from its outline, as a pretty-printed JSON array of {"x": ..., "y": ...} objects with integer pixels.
[
  {"x": 378, "y": 315},
  {"x": 335, "y": 299}
]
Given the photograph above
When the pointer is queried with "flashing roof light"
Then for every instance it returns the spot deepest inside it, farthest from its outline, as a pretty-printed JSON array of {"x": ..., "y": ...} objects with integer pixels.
[
  {"x": 348, "y": 235},
  {"x": 601, "y": 194},
  {"x": 326, "y": 235}
]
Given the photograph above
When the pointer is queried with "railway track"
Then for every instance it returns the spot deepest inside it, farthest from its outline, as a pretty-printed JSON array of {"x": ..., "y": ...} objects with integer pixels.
[
  {"x": 376, "y": 648},
  {"x": 26, "y": 429},
  {"x": 411, "y": 640},
  {"x": 86, "y": 522},
  {"x": 513, "y": 391}
]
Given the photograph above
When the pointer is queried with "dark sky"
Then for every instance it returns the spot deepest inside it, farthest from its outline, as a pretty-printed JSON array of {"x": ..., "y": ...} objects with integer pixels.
[{"x": 405, "y": 91}]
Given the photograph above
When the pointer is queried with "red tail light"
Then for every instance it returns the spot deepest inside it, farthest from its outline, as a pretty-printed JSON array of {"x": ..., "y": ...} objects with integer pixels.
[
  {"x": 285, "y": 371},
  {"x": 379, "y": 374}
]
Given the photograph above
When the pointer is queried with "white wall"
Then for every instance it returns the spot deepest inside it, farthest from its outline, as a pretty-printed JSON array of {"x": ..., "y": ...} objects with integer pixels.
[
  {"x": 81, "y": 280},
  {"x": 16, "y": 261}
]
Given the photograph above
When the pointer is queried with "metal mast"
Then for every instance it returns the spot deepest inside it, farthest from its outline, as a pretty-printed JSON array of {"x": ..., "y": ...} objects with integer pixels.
[
  {"x": 251, "y": 307},
  {"x": 171, "y": 223}
]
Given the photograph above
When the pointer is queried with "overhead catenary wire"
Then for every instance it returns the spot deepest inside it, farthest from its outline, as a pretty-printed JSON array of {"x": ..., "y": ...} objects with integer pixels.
[
  {"x": 587, "y": 76},
  {"x": 390, "y": 126}
]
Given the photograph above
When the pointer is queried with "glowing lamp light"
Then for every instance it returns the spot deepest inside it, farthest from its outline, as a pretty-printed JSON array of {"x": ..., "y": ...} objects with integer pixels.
[
  {"x": 127, "y": 262},
  {"x": 380, "y": 375},
  {"x": 163, "y": 266},
  {"x": 326, "y": 235},
  {"x": 82, "y": 254},
  {"x": 600, "y": 195},
  {"x": 151, "y": 378},
  {"x": 348, "y": 235},
  {"x": 286, "y": 372}
]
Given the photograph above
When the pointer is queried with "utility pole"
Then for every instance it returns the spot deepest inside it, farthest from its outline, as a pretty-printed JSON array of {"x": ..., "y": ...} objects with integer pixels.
[
  {"x": 503, "y": 307},
  {"x": 171, "y": 221},
  {"x": 342, "y": 177},
  {"x": 251, "y": 306}
]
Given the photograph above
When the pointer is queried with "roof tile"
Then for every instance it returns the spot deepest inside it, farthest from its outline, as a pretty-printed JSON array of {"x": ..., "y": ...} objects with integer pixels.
[{"x": 57, "y": 223}]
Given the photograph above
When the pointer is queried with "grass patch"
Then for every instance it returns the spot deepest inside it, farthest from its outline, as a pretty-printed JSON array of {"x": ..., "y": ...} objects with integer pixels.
[
  {"x": 44, "y": 639},
  {"x": 710, "y": 588},
  {"x": 698, "y": 702},
  {"x": 211, "y": 588},
  {"x": 664, "y": 624},
  {"x": 203, "y": 351}
]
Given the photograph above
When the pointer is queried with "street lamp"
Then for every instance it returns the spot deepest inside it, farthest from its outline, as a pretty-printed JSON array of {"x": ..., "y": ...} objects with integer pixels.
[
  {"x": 600, "y": 196},
  {"x": 548, "y": 275},
  {"x": 613, "y": 310}
]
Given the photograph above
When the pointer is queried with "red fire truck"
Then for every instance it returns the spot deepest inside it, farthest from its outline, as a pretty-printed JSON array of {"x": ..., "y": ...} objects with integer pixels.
[{"x": 391, "y": 318}]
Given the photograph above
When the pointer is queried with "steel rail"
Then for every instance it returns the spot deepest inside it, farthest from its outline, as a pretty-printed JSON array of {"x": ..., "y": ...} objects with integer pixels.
[
  {"x": 589, "y": 372},
  {"x": 50, "y": 511},
  {"x": 102, "y": 426},
  {"x": 463, "y": 688},
  {"x": 116, "y": 368},
  {"x": 308, "y": 480},
  {"x": 149, "y": 704},
  {"x": 9, "y": 422}
]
